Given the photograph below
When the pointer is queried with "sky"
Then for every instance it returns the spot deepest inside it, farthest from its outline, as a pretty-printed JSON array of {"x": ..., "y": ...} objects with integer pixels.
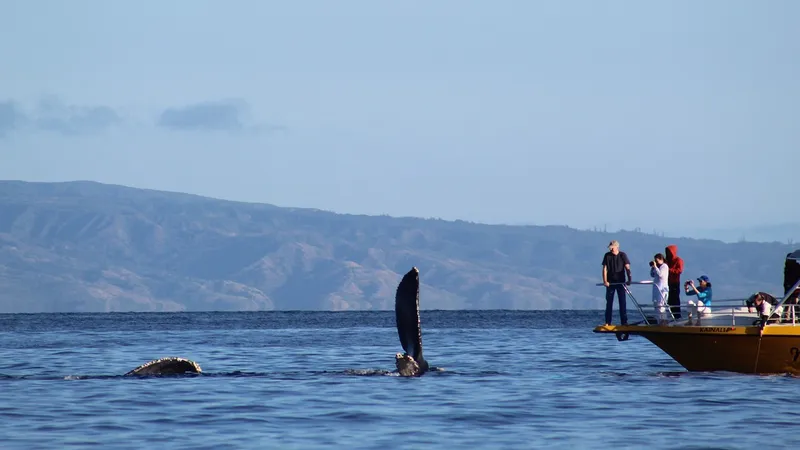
[{"x": 659, "y": 115}]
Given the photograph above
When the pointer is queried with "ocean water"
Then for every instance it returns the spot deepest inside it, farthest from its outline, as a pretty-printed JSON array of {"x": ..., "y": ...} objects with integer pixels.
[{"x": 509, "y": 379}]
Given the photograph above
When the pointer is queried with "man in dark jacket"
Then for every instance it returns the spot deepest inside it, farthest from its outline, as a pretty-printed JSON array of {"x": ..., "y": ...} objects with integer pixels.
[
  {"x": 615, "y": 266},
  {"x": 675, "y": 264}
]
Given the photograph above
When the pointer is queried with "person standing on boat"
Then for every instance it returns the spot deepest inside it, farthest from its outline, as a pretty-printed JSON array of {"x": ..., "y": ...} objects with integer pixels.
[
  {"x": 615, "y": 265},
  {"x": 660, "y": 273},
  {"x": 675, "y": 264},
  {"x": 701, "y": 306}
]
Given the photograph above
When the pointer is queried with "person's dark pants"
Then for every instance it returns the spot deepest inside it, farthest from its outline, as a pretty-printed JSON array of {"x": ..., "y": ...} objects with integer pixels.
[
  {"x": 623, "y": 312},
  {"x": 674, "y": 300}
]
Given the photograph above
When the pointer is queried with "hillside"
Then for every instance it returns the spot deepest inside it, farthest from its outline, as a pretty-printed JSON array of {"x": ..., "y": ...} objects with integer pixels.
[
  {"x": 84, "y": 246},
  {"x": 781, "y": 232}
]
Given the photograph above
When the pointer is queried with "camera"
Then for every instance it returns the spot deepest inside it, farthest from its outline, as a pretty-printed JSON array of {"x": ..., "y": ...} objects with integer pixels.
[{"x": 652, "y": 264}]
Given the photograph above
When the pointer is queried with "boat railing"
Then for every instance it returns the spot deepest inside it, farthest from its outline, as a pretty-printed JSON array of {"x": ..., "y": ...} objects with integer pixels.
[
  {"x": 719, "y": 307},
  {"x": 790, "y": 293}
]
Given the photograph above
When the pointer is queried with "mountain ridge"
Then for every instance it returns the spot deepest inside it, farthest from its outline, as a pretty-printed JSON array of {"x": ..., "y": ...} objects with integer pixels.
[{"x": 88, "y": 246}]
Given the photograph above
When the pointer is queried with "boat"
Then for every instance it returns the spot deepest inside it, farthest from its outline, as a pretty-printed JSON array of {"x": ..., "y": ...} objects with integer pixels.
[{"x": 732, "y": 338}]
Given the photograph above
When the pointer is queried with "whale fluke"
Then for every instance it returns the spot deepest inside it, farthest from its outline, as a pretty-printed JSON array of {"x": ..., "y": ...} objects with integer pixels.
[
  {"x": 406, "y": 308},
  {"x": 166, "y": 366}
]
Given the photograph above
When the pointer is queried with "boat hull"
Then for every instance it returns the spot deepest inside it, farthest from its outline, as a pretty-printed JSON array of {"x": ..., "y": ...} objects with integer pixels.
[{"x": 723, "y": 348}]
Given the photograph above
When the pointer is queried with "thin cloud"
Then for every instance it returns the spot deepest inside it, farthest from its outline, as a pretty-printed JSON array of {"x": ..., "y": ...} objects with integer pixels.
[
  {"x": 52, "y": 115},
  {"x": 11, "y": 117},
  {"x": 222, "y": 115}
]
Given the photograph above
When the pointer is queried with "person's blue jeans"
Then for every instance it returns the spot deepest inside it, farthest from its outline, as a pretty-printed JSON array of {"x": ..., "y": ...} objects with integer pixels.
[{"x": 623, "y": 312}]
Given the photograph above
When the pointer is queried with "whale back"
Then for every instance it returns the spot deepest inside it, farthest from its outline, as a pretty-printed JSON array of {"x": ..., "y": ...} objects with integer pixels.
[
  {"x": 406, "y": 308},
  {"x": 166, "y": 366}
]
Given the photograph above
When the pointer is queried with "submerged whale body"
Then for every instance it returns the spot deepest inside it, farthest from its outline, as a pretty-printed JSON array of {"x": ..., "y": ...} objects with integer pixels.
[
  {"x": 406, "y": 309},
  {"x": 166, "y": 366}
]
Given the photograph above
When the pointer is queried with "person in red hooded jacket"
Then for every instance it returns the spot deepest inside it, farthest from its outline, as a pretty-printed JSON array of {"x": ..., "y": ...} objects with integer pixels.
[{"x": 675, "y": 264}]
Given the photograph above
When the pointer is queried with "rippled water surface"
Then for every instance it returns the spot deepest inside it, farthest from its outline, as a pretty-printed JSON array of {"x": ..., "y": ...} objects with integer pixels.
[{"x": 320, "y": 379}]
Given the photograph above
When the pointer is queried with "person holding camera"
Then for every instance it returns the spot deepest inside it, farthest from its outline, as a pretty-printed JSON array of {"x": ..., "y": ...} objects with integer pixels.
[
  {"x": 660, "y": 273},
  {"x": 701, "y": 306}
]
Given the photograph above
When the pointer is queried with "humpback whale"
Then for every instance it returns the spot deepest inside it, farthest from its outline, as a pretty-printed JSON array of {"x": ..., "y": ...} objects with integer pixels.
[
  {"x": 411, "y": 363},
  {"x": 166, "y": 366},
  {"x": 406, "y": 309}
]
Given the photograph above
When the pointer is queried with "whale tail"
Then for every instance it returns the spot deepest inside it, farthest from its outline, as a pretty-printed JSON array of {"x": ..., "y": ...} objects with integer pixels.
[
  {"x": 166, "y": 366},
  {"x": 406, "y": 308}
]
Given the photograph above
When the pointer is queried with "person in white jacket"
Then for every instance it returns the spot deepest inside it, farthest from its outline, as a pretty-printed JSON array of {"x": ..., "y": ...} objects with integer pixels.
[{"x": 660, "y": 272}]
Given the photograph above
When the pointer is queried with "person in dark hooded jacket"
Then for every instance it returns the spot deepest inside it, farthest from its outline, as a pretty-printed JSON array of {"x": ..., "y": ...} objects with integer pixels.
[{"x": 675, "y": 264}]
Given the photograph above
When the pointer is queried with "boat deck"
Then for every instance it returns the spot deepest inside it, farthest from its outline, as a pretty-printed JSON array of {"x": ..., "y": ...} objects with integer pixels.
[{"x": 731, "y": 312}]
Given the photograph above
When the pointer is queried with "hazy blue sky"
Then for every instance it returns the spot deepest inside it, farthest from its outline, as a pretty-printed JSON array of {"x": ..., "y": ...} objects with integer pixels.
[{"x": 631, "y": 113}]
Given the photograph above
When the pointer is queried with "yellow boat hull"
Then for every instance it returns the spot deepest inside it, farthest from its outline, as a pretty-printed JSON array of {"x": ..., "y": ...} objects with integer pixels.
[{"x": 742, "y": 349}]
